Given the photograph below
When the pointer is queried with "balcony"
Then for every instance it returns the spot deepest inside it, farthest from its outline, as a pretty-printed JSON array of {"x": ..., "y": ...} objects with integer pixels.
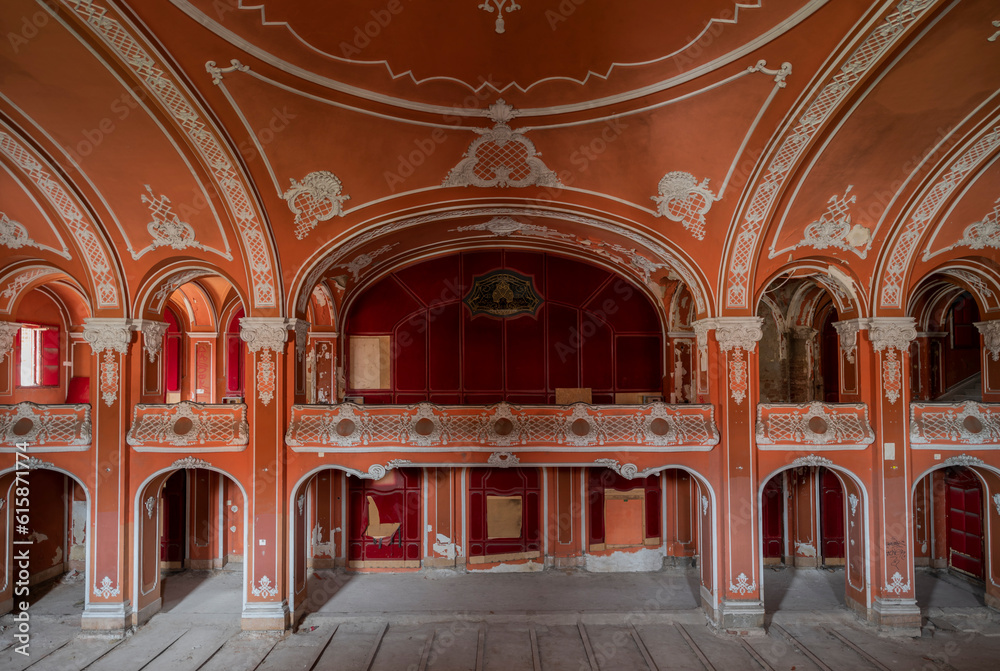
[
  {"x": 196, "y": 427},
  {"x": 815, "y": 425},
  {"x": 45, "y": 428},
  {"x": 944, "y": 425},
  {"x": 657, "y": 427}
]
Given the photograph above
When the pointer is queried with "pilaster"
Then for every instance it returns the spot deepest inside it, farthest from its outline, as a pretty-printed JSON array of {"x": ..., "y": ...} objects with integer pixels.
[{"x": 990, "y": 347}]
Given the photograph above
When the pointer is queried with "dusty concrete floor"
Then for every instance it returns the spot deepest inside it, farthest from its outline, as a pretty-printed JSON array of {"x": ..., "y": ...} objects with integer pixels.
[{"x": 547, "y": 621}]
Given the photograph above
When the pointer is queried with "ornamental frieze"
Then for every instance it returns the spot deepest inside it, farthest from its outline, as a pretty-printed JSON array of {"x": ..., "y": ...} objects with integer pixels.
[
  {"x": 46, "y": 428},
  {"x": 814, "y": 424},
  {"x": 943, "y": 424},
  {"x": 199, "y": 427}
]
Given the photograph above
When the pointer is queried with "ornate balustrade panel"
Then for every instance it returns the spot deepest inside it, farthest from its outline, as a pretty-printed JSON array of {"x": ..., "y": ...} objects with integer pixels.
[
  {"x": 428, "y": 427},
  {"x": 816, "y": 425},
  {"x": 45, "y": 428},
  {"x": 942, "y": 425},
  {"x": 196, "y": 427}
]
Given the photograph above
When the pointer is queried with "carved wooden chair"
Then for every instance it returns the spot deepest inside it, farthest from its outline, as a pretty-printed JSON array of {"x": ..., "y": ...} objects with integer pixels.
[{"x": 379, "y": 531}]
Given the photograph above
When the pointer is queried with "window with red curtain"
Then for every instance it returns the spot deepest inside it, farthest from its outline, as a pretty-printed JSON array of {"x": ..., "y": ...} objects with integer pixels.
[
  {"x": 234, "y": 356},
  {"x": 38, "y": 355}
]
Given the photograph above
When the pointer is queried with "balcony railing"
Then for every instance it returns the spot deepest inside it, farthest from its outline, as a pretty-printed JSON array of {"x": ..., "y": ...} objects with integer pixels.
[
  {"x": 50, "y": 428},
  {"x": 198, "y": 427},
  {"x": 652, "y": 427},
  {"x": 944, "y": 424},
  {"x": 834, "y": 425}
]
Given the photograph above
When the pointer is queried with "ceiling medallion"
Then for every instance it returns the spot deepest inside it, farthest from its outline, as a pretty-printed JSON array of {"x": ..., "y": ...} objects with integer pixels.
[
  {"x": 503, "y": 293},
  {"x": 499, "y": 5}
]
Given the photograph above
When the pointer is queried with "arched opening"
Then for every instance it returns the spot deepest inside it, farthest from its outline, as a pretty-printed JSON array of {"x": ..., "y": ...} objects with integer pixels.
[
  {"x": 48, "y": 525},
  {"x": 173, "y": 349},
  {"x": 812, "y": 533},
  {"x": 190, "y": 544},
  {"x": 235, "y": 357}
]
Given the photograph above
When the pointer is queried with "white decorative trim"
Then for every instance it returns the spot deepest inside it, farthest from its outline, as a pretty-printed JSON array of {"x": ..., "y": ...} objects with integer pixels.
[
  {"x": 301, "y": 327},
  {"x": 840, "y": 424},
  {"x": 31, "y": 463},
  {"x": 996, "y": 502},
  {"x": 963, "y": 460},
  {"x": 685, "y": 201},
  {"x": 491, "y": 141},
  {"x": 945, "y": 423},
  {"x": 811, "y": 460},
  {"x": 503, "y": 227},
  {"x": 22, "y": 277},
  {"x": 627, "y": 471},
  {"x": 377, "y": 471},
  {"x": 503, "y": 460},
  {"x": 265, "y": 338},
  {"x": 51, "y": 425},
  {"x": 499, "y": 5},
  {"x": 190, "y": 462},
  {"x": 323, "y": 200},
  {"x": 991, "y": 337},
  {"x": 221, "y": 424},
  {"x": 847, "y": 332},
  {"x": 152, "y": 337},
  {"x": 737, "y": 338},
  {"x": 301, "y": 503},
  {"x": 7, "y": 332},
  {"x": 742, "y": 586},
  {"x": 108, "y": 334},
  {"x": 14, "y": 235},
  {"x": 981, "y": 234},
  {"x": 264, "y": 588},
  {"x": 106, "y": 591},
  {"x": 166, "y": 229},
  {"x": 704, "y": 504},
  {"x": 892, "y": 335},
  {"x": 852, "y": 498},
  {"x": 833, "y": 228},
  {"x": 149, "y": 503},
  {"x": 897, "y": 586},
  {"x": 362, "y": 261}
]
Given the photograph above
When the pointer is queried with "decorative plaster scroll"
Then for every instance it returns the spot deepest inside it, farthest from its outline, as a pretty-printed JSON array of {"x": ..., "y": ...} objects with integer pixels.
[
  {"x": 166, "y": 229},
  {"x": 84, "y": 231},
  {"x": 499, "y": 6},
  {"x": 811, "y": 460},
  {"x": 627, "y": 471},
  {"x": 163, "y": 85},
  {"x": 108, "y": 338},
  {"x": 503, "y": 425},
  {"x": 501, "y": 157},
  {"x": 152, "y": 337},
  {"x": 362, "y": 261},
  {"x": 32, "y": 463},
  {"x": 189, "y": 424},
  {"x": 377, "y": 471},
  {"x": 796, "y": 141},
  {"x": 7, "y": 332},
  {"x": 925, "y": 212},
  {"x": 737, "y": 338},
  {"x": 981, "y": 234},
  {"x": 503, "y": 460},
  {"x": 852, "y": 499},
  {"x": 14, "y": 235},
  {"x": 892, "y": 337},
  {"x": 316, "y": 198},
  {"x": 989, "y": 329},
  {"x": 45, "y": 425},
  {"x": 264, "y": 588},
  {"x": 503, "y": 227},
  {"x": 963, "y": 460},
  {"x": 742, "y": 586},
  {"x": 106, "y": 590},
  {"x": 685, "y": 201},
  {"x": 150, "y": 503},
  {"x": 847, "y": 332},
  {"x": 190, "y": 462},
  {"x": 968, "y": 423},
  {"x": 813, "y": 424},
  {"x": 833, "y": 228}
]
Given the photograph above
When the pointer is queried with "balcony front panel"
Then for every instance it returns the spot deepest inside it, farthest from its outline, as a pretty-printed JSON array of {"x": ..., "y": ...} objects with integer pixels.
[
  {"x": 45, "y": 428},
  {"x": 954, "y": 425},
  {"x": 831, "y": 426},
  {"x": 189, "y": 427}
]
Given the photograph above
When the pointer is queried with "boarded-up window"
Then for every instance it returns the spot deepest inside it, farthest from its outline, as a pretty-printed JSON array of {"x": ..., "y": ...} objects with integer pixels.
[
  {"x": 503, "y": 516},
  {"x": 370, "y": 362}
]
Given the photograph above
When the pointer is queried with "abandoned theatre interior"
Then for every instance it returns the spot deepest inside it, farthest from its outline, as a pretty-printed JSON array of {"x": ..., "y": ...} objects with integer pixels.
[{"x": 610, "y": 286}]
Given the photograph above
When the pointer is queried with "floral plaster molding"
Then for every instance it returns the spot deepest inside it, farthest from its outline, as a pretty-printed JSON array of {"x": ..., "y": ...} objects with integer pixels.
[
  {"x": 152, "y": 337},
  {"x": 7, "y": 332},
  {"x": 847, "y": 332},
  {"x": 166, "y": 229},
  {"x": 265, "y": 338},
  {"x": 318, "y": 197},
  {"x": 190, "y": 462},
  {"x": 811, "y": 460},
  {"x": 108, "y": 339},
  {"x": 499, "y": 6},
  {"x": 14, "y": 235},
  {"x": 892, "y": 336},
  {"x": 833, "y": 228},
  {"x": 991, "y": 337},
  {"x": 963, "y": 460},
  {"x": 944, "y": 424},
  {"x": 683, "y": 200},
  {"x": 377, "y": 471},
  {"x": 737, "y": 338}
]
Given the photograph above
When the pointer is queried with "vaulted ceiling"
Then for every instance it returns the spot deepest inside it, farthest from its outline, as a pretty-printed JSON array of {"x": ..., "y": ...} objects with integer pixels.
[{"x": 715, "y": 143}]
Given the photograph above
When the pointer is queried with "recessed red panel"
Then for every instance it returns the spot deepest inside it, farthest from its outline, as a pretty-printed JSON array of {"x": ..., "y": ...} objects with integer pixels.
[
  {"x": 384, "y": 304},
  {"x": 638, "y": 358},
  {"x": 409, "y": 354},
  {"x": 507, "y": 482},
  {"x": 525, "y": 352},
  {"x": 444, "y": 330},
  {"x": 482, "y": 354},
  {"x": 572, "y": 282},
  {"x": 624, "y": 306}
]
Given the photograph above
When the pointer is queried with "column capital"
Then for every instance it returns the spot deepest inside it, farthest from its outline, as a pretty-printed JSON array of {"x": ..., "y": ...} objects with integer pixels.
[
  {"x": 152, "y": 336},
  {"x": 106, "y": 334},
  {"x": 892, "y": 333},
  {"x": 739, "y": 332},
  {"x": 991, "y": 337},
  {"x": 7, "y": 332},
  {"x": 265, "y": 333},
  {"x": 847, "y": 332}
]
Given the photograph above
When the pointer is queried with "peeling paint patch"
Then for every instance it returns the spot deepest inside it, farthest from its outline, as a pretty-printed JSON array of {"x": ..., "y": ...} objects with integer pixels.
[
  {"x": 57, "y": 559},
  {"x": 804, "y": 550},
  {"x": 319, "y": 547},
  {"x": 528, "y": 567},
  {"x": 446, "y": 548},
  {"x": 645, "y": 559}
]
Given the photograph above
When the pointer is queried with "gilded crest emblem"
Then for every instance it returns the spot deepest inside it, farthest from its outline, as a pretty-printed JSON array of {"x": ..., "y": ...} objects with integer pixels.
[{"x": 503, "y": 293}]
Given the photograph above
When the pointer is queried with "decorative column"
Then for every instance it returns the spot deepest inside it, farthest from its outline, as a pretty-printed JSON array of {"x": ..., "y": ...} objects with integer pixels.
[
  {"x": 269, "y": 382},
  {"x": 895, "y": 605},
  {"x": 8, "y": 367},
  {"x": 741, "y": 607},
  {"x": 850, "y": 375},
  {"x": 990, "y": 347},
  {"x": 107, "y": 606}
]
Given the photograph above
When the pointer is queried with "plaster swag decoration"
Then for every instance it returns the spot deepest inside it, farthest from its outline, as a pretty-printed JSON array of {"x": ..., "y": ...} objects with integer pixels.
[
  {"x": 968, "y": 423},
  {"x": 503, "y": 460},
  {"x": 31, "y": 463},
  {"x": 814, "y": 423},
  {"x": 504, "y": 227},
  {"x": 265, "y": 338},
  {"x": 46, "y": 425},
  {"x": 501, "y": 157},
  {"x": 189, "y": 424},
  {"x": 963, "y": 460},
  {"x": 152, "y": 337},
  {"x": 166, "y": 229},
  {"x": 108, "y": 338},
  {"x": 105, "y": 590},
  {"x": 685, "y": 201},
  {"x": 318, "y": 197},
  {"x": 991, "y": 337},
  {"x": 811, "y": 460},
  {"x": 892, "y": 336},
  {"x": 833, "y": 228},
  {"x": 264, "y": 588},
  {"x": 982, "y": 234},
  {"x": 190, "y": 462},
  {"x": 742, "y": 585},
  {"x": 14, "y": 235},
  {"x": 896, "y": 585},
  {"x": 737, "y": 337},
  {"x": 7, "y": 332},
  {"x": 499, "y": 6}
]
